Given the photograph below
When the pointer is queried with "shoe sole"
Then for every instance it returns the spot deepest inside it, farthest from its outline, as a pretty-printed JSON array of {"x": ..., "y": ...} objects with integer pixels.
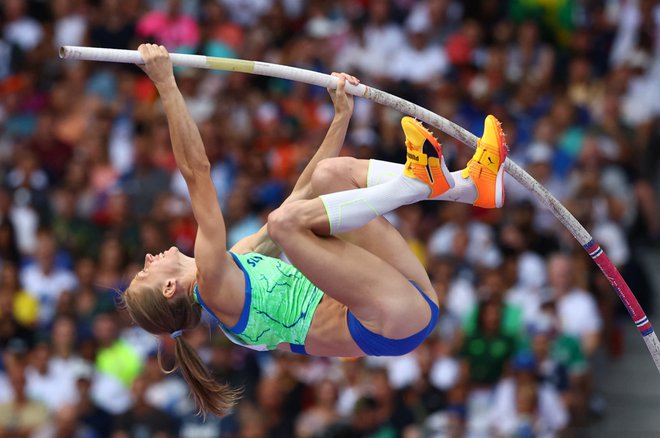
[
  {"x": 499, "y": 187},
  {"x": 503, "y": 152},
  {"x": 499, "y": 180}
]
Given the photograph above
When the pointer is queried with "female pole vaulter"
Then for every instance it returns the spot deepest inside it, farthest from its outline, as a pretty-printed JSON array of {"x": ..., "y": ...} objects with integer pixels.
[{"x": 364, "y": 293}]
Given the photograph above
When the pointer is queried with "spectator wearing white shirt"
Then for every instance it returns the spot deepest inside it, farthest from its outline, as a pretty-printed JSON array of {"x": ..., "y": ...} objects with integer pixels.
[
  {"x": 382, "y": 36},
  {"x": 64, "y": 359},
  {"x": 359, "y": 57},
  {"x": 519, "y": 293},
  {"x": 440, "y": 17},
  {"x": 538, "y": 158},
  {"x": 456, "y": 295},
  {"x": 47, "y": 383},
  {"x": 20, "y": 29},
  {"x": 70, "y": 23},
  {"x": 417, "y": 61},
  {"x": 247, "y": 12},
  {"x": 46, "y": 281},
  {"x": 479, "y": 249},
  {"x": 351, "y": 388},
  {"x": 23, "y": 218},
  {"x": 576, "y": 308},
  {"x": 524, "y": 407}
]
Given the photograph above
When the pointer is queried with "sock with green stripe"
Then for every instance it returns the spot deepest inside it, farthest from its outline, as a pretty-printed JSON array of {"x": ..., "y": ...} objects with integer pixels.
[{"x": 352, "y": 209}]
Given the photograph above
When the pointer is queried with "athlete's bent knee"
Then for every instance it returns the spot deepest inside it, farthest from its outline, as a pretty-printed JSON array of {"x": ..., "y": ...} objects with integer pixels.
[
  {"x": 333, "y": 174},
  {"x": 284, "y": 221}
]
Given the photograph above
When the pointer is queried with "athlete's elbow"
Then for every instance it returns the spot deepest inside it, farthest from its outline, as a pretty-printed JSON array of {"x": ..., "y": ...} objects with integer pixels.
[{"x": 191, "y": 171}]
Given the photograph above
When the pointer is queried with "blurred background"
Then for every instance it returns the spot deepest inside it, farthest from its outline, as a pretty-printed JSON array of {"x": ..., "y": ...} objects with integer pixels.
[{"x": 532, "y": 342}]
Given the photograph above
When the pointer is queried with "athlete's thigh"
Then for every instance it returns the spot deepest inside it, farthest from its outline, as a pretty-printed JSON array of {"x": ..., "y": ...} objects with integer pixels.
[
  {"x": 378, "y": 237},
  {"x": 379, "y": 295}
]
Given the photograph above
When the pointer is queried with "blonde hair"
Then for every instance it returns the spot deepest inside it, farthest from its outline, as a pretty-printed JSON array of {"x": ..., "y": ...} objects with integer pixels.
[{"x": 153, "y": 312}]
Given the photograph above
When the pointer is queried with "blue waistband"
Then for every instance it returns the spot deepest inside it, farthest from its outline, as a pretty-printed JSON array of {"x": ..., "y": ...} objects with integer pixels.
[{"x": 374, "y": 344}]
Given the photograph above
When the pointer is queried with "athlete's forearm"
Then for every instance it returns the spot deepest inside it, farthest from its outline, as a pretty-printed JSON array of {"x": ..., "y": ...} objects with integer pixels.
[
  {"x": 334, "y": 140},
  {"x": 329, "y": 148},
  {"x": 187, "y": 145}
]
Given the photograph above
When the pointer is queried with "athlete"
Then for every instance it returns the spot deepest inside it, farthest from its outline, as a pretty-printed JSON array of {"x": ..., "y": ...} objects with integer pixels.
[{"x": 362, "y": 294}]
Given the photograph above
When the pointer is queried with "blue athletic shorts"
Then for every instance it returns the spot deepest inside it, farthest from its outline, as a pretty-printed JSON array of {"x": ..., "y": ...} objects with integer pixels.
[{"x": 374, "y": 344}]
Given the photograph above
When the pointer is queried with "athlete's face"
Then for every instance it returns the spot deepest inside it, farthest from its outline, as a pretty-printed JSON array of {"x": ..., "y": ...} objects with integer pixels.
[{"x": 163, "y": 267}]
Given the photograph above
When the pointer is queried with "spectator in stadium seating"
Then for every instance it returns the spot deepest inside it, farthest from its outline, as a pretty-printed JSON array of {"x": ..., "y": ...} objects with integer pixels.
[
  {"x": 272, "y": 404},
  {"x": 528, "y": 57},
  {"x": 111, "y": 263},
  {"x": 145, "y": 181},
  {"x": 454, "y": 287},
  {"x": 163, "y": 391},
  {"x": 492, "y": 288},
  {"x": 351, "y": 386},
  {"x": 115, "y": 217},
  {"x": 64, "y": 356},
  {"x": 462, "y": 236},
  {"x": 114, "y": 357},
  {"x": 88, "y": 411},
  {"x": 576, "y": 308},
  {"x": 143, "y": 418},
  {"x": 23, "y": 415},
  {"x": 112, "y": 26},
  {"x": 554, "y": 366},
  {"x": 76, "y": 233},
  {"x": 46, "y": 281},
  {"x": 314, "y": 420},
  {"x": 172, "y": 28},
  {"x": 66, "y": 423},
  {"x": 46, "y": 380},
  {"x": 381, "y": 35},
  {"x": 9, "y": 252},
  {"x": 20, "y": 28},
  {"x": 29, "y": 181},
  {"x": 15, "y": 303},
  {"x": 523, "y": 406},
  {"x": 430, "y": 60},
  {"x": 485, "y": 354}
]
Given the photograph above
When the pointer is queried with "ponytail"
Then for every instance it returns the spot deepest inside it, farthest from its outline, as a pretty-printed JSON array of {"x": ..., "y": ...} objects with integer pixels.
[
  {"x": 153, "y": 312},
  {"x": 208, "y": 394}
]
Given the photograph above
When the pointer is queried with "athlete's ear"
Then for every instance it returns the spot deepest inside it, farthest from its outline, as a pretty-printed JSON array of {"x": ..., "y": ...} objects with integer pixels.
[{"x": 170, "y": 288}]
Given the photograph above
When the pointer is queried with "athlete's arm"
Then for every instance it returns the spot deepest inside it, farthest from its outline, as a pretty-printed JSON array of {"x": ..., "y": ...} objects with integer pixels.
[
  {"x": 332, "y": 143},
  {"x": 193, "y": 163},
  {"x": 334, "y": 139}
]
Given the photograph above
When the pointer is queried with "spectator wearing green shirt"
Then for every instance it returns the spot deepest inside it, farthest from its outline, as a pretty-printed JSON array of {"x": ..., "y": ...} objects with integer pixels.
[
  {"x": 487, "y": 349},
  {"x": 114, "y": 356},
  {"x": 493, "y": 288},
  {"x": 485, "y": 354}
]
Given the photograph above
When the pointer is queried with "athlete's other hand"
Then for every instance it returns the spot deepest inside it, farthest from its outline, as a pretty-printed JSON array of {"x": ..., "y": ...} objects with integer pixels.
[
  {"x": 157, "y": 63},
  {"x": 343, "y": 102}
]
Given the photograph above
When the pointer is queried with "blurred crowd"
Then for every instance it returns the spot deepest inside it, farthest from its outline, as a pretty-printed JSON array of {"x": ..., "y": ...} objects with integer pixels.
[{"x": 89, "y": 185}]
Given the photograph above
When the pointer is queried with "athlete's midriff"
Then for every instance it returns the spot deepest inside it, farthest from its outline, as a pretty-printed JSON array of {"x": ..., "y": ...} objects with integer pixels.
[{"x": 328, "y": 335}]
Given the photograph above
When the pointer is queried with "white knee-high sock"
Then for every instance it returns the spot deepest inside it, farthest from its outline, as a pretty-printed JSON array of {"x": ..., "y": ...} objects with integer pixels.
[
  {"x": 383, "y": 171},
  {"x": 352, "y": 209}
]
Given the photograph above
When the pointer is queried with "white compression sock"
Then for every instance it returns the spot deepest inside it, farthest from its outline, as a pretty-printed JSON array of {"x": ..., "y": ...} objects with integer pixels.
[
  {"x": 352, "y": 209},
  {"x": 463, "y": 191}
]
